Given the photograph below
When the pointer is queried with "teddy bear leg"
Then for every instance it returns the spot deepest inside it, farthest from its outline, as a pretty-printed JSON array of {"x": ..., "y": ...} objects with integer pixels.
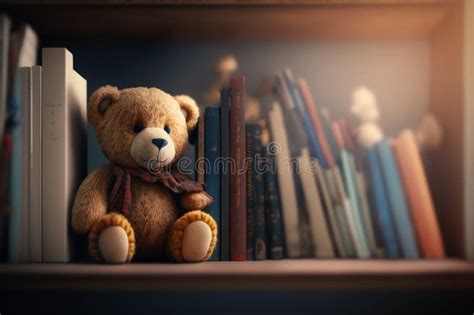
[
  {"x": 193, "y": 237},
  {"x": 112, "y": 239}
]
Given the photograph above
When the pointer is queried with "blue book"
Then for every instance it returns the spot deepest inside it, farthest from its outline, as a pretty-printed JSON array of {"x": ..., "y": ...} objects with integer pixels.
[
  {"x": 356, "y": 216},
  {"x": 382, "y": 205},
  {"x": 212, "y": 178},
  {"x": 300, "y": 107},
  {"x": 397, "y": 201},
  {"x": 225, "y": 174}
]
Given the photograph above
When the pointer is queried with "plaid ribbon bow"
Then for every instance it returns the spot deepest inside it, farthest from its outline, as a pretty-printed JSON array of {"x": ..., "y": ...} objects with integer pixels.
[{"x": 120, "y": 199}]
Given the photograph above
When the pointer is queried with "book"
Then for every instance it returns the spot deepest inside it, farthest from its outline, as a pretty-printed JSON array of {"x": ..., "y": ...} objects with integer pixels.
[
  {"x": 225, "y": 173},
  {"x": 212, "y": 177},
  {"x": 64, "y": 103},
  {"x": 305, "y": 121},
  {"x": 381, "y": 203},
  {"x": 310, "y": 107},
  {"x": 237, "y": 204},
  {"x": 355, "y": 217},
  {"x": 286, "y": 185},
  {"x": 418, "y": 196},
  {"x": 5, "y": 26},
  {"x": 35, "y": 216},
  {"x": 273, "y": 218},
  {"x": 259, "y": 193},
  {"x": 250, "y": 153},
  {"x": 396, "y": 198},
  {"x": 201, "y": 151},
  {"x": 323, "y": 247},
  {"x": 18, "y": 247}
]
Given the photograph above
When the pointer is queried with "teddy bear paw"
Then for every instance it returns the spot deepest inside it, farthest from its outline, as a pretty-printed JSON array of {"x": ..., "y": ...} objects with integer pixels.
[
  {"x": 193, "y": 237},
  {"x": 112, "y": 239}
]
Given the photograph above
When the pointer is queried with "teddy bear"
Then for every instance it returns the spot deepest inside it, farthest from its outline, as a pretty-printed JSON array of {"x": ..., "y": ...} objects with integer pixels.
[{"x": 140, "y": 207}]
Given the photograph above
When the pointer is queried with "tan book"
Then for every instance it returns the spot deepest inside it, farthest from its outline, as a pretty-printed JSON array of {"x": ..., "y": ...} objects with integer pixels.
[
  {"x": 323, "y": 247},
  {"x": 289, "y": 204}
]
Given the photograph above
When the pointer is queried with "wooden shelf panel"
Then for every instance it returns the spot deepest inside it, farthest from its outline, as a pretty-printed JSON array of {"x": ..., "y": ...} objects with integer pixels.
[
  {"x": 233, "y": 22},
  {"x": 265, "y": 275}
]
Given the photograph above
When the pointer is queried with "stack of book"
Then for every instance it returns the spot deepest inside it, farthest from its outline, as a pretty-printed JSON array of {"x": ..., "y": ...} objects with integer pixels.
[
  {"x": 43, "y": 132},
  {"x": 311, "y": 191}
]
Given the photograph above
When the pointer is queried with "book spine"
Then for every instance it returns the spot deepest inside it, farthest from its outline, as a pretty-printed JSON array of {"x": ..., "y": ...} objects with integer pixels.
[
  {"x": 56, "y": 65},
  {"x": 418, "y": 196},
  {"x": 381, "y": 203},
  {"x": 36, "y": 252},
  {"x": 259, "y": 196},
  {"x": 273, "y": 219},
  {"x": 212, "y": 176},
  {"x": 201, "y": 151},
  {"x": 397, "y": 201},
  {"x": 250, "y": 193},
  {"x": 356, "y": 220},
  {"x": 4, "y": 60},
  {"x": 225, "y": 174},
  {"x": 237, "y": 211}
]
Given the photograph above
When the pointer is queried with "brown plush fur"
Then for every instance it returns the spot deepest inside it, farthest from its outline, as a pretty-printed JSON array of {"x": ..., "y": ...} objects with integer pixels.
[{"x": 154, "y": 207}]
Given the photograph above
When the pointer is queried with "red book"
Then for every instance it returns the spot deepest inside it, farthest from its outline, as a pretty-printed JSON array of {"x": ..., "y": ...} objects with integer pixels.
[
  {"x": 237, "y": 189},
  {"x": 315, "y": 121}
]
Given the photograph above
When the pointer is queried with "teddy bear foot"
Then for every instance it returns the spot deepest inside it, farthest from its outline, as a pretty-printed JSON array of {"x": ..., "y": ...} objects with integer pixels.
[
  {"x": 112, "y": 239},
  {"x": 193, "y": 237}
]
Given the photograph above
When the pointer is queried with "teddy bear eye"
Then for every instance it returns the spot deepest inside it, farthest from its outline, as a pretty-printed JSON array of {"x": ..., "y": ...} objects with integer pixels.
[
  {"x": 167, "y": 129},
  {"x": 138, "y": 127}
]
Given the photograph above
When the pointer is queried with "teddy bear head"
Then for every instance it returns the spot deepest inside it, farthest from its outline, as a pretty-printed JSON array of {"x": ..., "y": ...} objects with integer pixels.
[{"x": 142, "y": 127}]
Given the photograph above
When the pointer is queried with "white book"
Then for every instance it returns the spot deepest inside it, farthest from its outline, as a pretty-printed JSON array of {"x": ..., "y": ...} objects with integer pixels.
[
  {"x": 323, "y": 247},
  {"x": 289, "y": 204},
  {"x": 35, "y": 218},
  {"x": 64, "y": 147},
  {"x": 4, "y": 61}
]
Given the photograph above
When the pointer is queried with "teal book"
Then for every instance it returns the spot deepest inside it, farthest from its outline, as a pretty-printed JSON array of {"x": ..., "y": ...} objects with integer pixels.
[
  {"x": 259, "y": 193},
  {"x": 250, "y": 153},
  {"x": 212, "y": 148},
  {"x": 225, "y": 173},
  {"x": 355, "y": 217},
  {"x": 382, "y": 206},
  {"x": 397, "y": 201}
]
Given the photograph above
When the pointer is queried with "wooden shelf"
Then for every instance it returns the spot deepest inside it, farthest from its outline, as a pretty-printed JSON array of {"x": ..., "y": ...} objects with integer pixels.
[
  {"x": 265, "y": 275},
  {"x": 234, "y": 20}
]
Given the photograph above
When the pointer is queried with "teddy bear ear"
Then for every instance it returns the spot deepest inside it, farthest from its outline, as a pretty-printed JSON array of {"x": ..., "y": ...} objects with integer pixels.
[
  {"x": 189, "y": 109},
  {"x": 100, "y": 101}
]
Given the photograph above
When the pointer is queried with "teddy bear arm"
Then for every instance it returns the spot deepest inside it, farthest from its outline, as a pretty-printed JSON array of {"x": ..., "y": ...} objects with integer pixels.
[
  {"x": 91, "y": 200},
  {"x": 195, "y": 201}
]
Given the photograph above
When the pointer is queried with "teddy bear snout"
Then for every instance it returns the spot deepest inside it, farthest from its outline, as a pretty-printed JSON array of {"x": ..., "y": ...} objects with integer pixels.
[{"x": 159, "y": 142}]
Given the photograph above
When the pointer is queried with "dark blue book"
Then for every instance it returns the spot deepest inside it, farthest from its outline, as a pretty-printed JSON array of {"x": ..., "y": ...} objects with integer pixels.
[
  {"x": 250, "y": 153},
  {"x": 314, "y": 145},
  {"x": 273, "y": 218},
  {"x": 396, "y": 200},
  {"x": 382, "y": 218},
  {"x": 225, "y": 174},
  {"x": 212, "y": 176},
  {"x": 259, "y": 193}
]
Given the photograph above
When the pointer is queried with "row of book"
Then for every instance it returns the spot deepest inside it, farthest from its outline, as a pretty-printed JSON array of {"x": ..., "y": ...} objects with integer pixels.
[
  {"x": 43, "y": 130},
  {"x": 310, "y": 190}
]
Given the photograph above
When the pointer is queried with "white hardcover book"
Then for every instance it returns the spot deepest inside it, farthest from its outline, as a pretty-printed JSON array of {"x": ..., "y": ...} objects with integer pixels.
[
  {"x": 63, "y": 153},
  {"x": 323, "y": 247},
  {"x": 286, "y": 184},
  {"x": 4, "y": 61},
  {"x": 36, "y": 236}
]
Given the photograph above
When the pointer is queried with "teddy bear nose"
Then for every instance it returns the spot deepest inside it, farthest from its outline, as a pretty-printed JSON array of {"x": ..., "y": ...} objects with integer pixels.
[{"x": 159, "y": 142}]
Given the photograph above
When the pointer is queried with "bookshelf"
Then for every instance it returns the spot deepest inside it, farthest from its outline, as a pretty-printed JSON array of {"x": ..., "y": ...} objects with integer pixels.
[{"x": 442, "y": 23}]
